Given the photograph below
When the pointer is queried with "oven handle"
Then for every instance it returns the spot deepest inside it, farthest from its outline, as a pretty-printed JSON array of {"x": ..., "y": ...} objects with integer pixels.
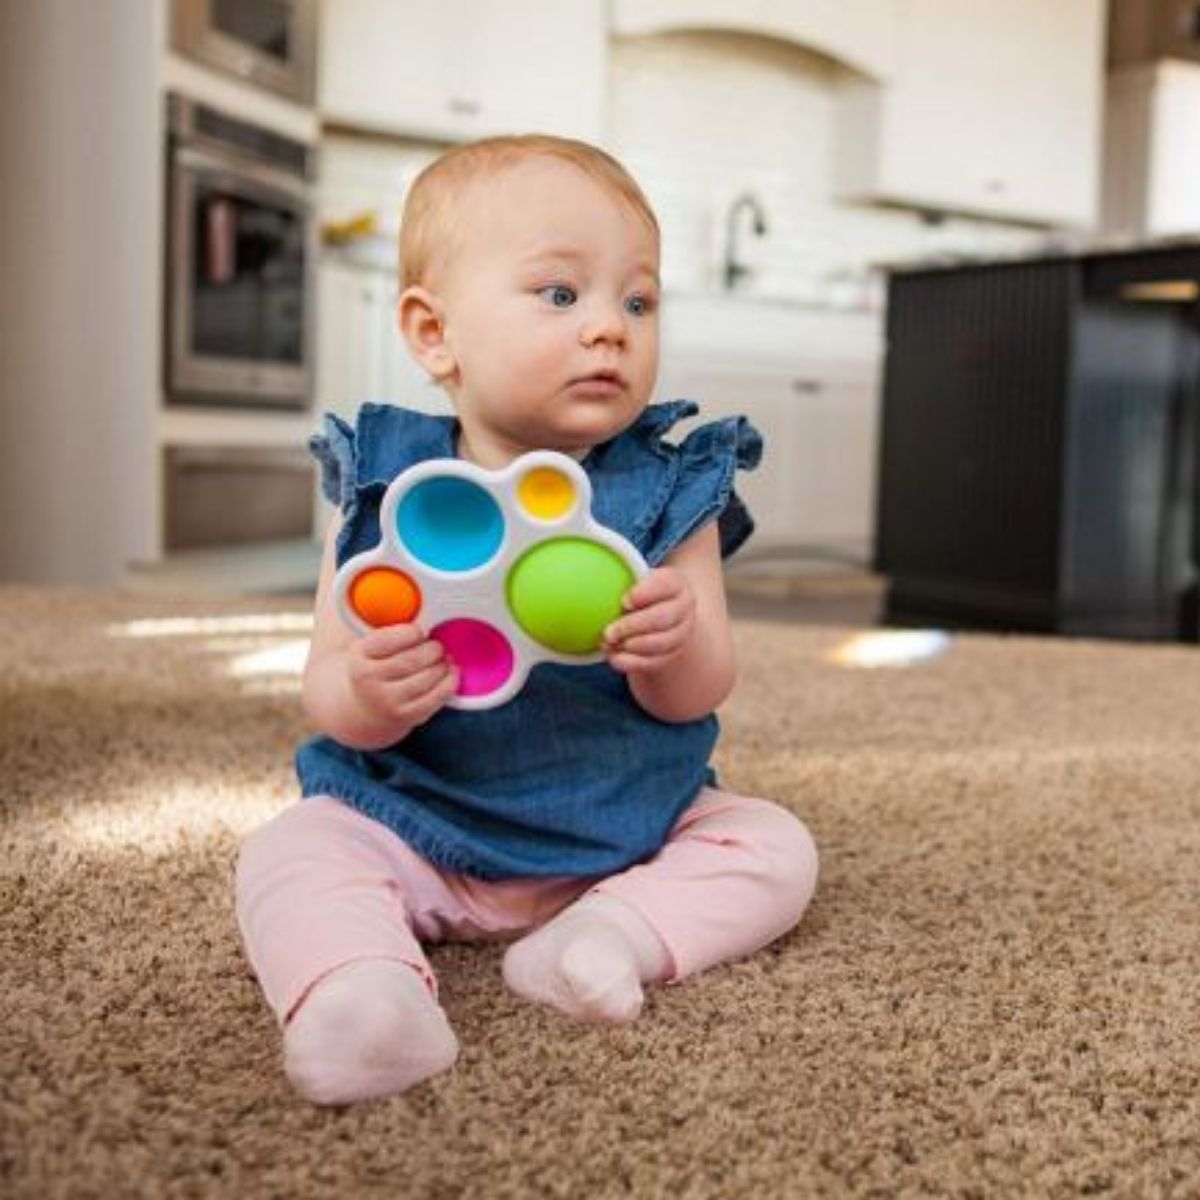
[{"x": 238, "y": 173}]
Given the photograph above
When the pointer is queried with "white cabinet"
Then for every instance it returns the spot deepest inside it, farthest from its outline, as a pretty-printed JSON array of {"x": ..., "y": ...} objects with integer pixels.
[
  {"x": 360, "y": 353},
  {"x": 995, "y": 109},
  {"x": 860, "y": 34},
  {"x": 464, "y": 69},
  {"x": 836, "y": 430},
  {"x": 810, "y": 382},
  {"x": 814, "y": 491},
  {"x": 1152, "y": 133}
]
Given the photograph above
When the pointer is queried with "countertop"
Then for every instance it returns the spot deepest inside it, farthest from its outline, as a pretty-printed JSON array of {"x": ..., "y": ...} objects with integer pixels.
[{"x": 1115, "y": 250}]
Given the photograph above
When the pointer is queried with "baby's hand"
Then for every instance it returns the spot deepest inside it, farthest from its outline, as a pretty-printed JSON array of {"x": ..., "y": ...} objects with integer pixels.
[
  {"x": 660, "y": 614},
  {"x": 399, "y": 674}
]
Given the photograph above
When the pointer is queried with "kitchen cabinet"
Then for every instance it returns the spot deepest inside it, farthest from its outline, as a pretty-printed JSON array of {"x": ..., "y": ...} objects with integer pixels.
[
  {"x": 860, "y": 35},
  {"x": 814, "y": 492},
  {"x": 464, "y": 70},
  {"x": 809, "y": 380},
  {"x": 360, "y": 354},
  {"x": 1152, "y": 130},
  {"x": 994, "y": 110}
]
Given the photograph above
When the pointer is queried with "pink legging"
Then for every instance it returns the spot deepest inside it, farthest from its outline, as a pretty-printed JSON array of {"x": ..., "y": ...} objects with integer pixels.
[{"x": 322, "y": 885}]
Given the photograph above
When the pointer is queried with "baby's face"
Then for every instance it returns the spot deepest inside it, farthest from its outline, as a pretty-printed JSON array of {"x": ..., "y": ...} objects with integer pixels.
[{"x": 551, "y": 312}]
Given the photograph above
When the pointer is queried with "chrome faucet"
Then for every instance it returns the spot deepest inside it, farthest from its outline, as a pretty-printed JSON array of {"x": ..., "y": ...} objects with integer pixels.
[{"x": 735, "y": 270}]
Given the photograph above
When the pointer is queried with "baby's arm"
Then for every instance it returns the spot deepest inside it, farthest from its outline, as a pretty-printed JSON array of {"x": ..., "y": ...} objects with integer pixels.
[
  {"x": 370, "y": 691},
  {"x": 674, "y": 642}
]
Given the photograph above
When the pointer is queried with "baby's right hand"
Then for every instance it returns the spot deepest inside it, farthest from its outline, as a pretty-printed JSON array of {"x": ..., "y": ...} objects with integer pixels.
[{"x": 400, "y": 674}]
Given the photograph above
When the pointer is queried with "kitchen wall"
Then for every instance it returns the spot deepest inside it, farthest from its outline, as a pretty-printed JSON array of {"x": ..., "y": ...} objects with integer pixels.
[
  {"x": 699, "y": 118},
  {"x": 79, "y": 144}
]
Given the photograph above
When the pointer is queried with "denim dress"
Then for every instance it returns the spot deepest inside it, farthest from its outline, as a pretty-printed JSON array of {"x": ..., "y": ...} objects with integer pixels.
[{"x": 571, "y": 776}]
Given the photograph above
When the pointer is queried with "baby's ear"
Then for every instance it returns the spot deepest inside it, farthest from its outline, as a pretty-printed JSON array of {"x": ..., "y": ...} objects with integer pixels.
[{"x": 419, "y": 316}]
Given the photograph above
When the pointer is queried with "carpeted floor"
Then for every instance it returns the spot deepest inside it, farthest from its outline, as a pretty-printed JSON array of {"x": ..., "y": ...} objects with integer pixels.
[{"x": 995, "y": 992}]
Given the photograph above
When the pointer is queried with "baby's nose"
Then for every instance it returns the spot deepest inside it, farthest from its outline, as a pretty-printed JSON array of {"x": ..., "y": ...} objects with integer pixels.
[{"x": 604, "y": 323}]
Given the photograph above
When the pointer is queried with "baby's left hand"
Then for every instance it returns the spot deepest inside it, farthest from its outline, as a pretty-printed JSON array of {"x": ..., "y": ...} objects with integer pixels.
[{"x": 660, "y": 613}]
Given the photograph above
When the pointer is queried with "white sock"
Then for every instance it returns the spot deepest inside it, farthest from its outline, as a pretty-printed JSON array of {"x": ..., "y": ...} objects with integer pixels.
[
  {"x": 368, "y": 1029},
  {"x": 589, "y": 962}
]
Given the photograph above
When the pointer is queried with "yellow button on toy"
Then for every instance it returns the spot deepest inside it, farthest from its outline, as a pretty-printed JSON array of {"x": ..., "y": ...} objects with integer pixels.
[{"x": 546, "y": 493}]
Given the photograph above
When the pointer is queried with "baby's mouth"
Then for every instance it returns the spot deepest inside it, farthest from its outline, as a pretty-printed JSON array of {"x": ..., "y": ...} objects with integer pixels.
[{"x": 603, "y": 382}]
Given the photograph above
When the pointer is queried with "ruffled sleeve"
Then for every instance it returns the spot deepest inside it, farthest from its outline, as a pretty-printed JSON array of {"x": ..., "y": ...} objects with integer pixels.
[
  {"x": 702, "y": 486},
  {"x": 334, "y": 450},
  {"x": 383, "y": 440},
  {"x": 358, "y": 461}
]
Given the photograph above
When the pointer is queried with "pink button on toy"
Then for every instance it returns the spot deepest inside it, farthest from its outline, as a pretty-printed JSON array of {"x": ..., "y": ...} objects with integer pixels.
[{"x": 482, "y": 654}]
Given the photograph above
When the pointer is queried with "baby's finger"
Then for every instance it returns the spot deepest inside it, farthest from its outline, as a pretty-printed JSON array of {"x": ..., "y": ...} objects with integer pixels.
[
  {"x": 650, "y": 589},
  {"x": 421, "y": 709},
  {"x": 391, "y": 639},
  {"x": 409, "y": 696},
  {"x": 415, "y": 686},
  {"x": 652, "y": 645},
  {"x": 407, "y": 662},
  {"x": 648, "y": 620},
  {"x": 627, "y": 664}
]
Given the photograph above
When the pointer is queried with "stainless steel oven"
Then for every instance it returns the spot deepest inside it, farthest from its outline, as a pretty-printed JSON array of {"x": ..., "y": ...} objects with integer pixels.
[
  {"x": 270, "y": 43},
  {"x": 239, "y": 256}
]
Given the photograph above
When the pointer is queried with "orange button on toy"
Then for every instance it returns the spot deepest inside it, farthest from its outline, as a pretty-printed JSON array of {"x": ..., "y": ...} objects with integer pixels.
[{"x": 384, "y": 596}]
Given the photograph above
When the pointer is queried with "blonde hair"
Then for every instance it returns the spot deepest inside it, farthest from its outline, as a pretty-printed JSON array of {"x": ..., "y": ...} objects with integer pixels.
[{"x": 428, "y": 224}]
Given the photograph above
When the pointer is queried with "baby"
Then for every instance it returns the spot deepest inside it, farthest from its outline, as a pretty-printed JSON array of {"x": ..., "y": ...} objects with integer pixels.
[{"x": 581, "y": 819}]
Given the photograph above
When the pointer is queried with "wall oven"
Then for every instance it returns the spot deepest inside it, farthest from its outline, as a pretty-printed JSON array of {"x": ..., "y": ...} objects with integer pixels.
[
  {"x": 270, "y": 43},
  {"x": 219, "y": 496},
  {"x": 239, "y": 257}
]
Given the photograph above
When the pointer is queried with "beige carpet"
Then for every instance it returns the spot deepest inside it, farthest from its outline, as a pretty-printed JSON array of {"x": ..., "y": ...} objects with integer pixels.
[{"x": 995, "y": 994}]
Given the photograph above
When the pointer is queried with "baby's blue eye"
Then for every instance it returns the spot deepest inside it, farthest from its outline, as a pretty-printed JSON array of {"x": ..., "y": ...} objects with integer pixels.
[
  {"x": 638, "y": 305},
  {"x": 559, "y": 295}
]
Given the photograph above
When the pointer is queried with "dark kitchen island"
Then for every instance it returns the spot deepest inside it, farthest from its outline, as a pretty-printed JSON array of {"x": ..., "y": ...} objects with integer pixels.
[{"x": 1038, "y": 445}]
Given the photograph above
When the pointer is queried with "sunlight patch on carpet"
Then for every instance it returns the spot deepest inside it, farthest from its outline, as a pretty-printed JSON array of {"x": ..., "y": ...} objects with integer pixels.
[
  {"x": 155, "y": 627},
  {"x": 160, "y": 821},
  {"x": 255, "y": 654},
  {"x": 890, "y": 648},
  {"x": 286, "y": 659}
]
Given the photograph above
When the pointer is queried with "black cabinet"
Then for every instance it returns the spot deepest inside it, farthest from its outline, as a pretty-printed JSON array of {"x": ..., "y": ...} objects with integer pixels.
[{"x": 1038, "y": 443}]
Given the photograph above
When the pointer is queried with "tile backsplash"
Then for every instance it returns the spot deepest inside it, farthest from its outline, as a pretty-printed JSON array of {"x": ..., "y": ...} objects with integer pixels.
[{"x": 700, "y": 118}]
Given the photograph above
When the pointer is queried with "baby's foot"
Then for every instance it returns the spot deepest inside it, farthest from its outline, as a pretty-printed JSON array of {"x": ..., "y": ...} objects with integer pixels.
[
  {"x": 368, "y": 1029},
  {"x": 589, "y": 962}
]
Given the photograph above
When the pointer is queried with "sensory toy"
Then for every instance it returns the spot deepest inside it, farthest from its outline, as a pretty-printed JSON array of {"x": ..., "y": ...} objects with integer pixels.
[{"x": 505, "y": 568}]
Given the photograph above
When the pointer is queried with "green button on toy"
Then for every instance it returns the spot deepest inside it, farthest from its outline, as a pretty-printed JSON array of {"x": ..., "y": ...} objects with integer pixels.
[{"x": 565, "y": 592}]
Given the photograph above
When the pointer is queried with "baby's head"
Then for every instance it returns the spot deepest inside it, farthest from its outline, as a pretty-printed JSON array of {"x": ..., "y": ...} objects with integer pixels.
[
  {"x": 440, "y": 198},
  {"x": 529, "y": 268}
]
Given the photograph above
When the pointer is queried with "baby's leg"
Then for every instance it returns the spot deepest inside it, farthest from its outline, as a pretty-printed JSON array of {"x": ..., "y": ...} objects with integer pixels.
[
  {"x": 735, "y": 874},
  {"x": 327, "y": 932}
]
